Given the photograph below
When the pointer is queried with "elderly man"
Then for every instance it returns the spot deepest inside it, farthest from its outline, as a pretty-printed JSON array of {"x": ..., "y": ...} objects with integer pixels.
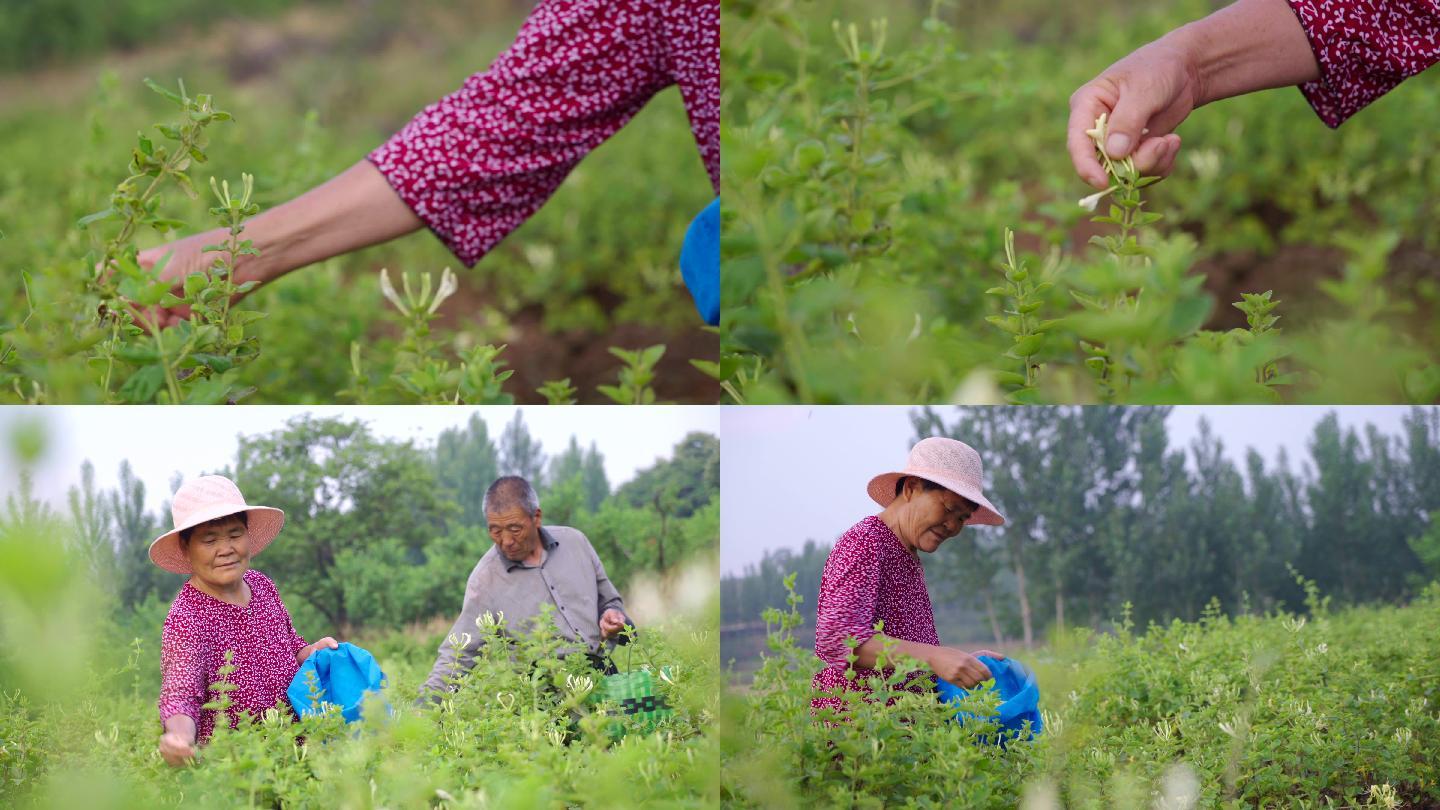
[{"x": 530, "y": 566}]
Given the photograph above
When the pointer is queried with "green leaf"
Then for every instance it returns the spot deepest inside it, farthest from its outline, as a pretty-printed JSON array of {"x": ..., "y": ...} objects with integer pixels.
[
  {"x": 208, "y": 392},
  {"x": 90, "y": 219},
  {"x": 709, "y": 368},
  {"x": 170, "y": 94},
  {"x": 143, "y": 385},
  {"x": 1027, "y": 345},
  {"x": 651, "y": 356}
]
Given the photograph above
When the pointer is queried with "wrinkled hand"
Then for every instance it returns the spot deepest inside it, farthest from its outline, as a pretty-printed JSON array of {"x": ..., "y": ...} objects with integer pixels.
[
  {"x": 1147, "y": 95},
  {"x": 958, "y": 667},
  {"x": 177, "y": 749},
  {"x": 612, "y": 621}
]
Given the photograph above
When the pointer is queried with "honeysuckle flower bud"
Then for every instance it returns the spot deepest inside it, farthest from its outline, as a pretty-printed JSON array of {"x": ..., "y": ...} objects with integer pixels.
[
  {"x": 388, "y": 290},
  {"x": 448, "y": 286},
  {"x": 1097, "y": 133},
  {"x": 1089, "y": 203}
]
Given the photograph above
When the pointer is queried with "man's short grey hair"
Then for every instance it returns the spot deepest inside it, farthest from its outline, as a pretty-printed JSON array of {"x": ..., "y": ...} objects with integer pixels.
[{"x": 510, "y": 492}]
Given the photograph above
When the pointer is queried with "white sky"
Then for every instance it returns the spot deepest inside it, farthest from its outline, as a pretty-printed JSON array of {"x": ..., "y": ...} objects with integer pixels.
[
  {"x": 161, "y": 440},
  {"x": 792, "y": 473}
]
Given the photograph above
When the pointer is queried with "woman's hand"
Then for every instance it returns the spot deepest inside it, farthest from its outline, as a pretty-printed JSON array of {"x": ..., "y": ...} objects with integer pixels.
[
  {"x": 326, "y": 643},
  {"x": 355, "y": 209},
  {"x": 1147, "y": 95},
  {"x": 187, "y": 257},
  {"x": 1247, "y": 46},
  {"x": 177, "y": 744},
  {"x": 958, "y": 667}
]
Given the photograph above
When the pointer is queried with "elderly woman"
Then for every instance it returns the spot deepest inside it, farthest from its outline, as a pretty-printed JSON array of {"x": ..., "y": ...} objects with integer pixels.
[
  {"x": 225, "y": 606},
  {"x": 874, "y": 574}
]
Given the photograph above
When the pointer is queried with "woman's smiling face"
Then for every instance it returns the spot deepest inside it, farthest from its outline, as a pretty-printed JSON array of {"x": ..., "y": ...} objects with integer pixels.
[
  {"x": 219, "y": 551},
  {"x": 932, "y": 516}
]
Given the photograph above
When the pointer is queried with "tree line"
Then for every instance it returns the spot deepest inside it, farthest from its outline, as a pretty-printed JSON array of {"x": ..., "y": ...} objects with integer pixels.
[
  {"x": 1103, "y": 512},
  {"x": 380, "y": 532}
]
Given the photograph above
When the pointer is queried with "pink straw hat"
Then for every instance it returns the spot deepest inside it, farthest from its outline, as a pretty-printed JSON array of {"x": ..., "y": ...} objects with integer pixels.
[
  {"x": 204, "y": 499},
  {"x": 951, "y": 464}
]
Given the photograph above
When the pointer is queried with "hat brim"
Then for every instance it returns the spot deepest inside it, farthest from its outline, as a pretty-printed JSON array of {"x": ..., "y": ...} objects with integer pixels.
[
  {"x": 263, "y": 525},
  {"x": 882, "y": 491}
]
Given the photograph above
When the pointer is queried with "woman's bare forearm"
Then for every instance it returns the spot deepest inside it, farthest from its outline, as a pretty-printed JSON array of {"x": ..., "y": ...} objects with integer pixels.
[
  {"x": 1247, "y": 46},
  {"x": 356, "y": 209},
  {"x": 867, "y": 653}
]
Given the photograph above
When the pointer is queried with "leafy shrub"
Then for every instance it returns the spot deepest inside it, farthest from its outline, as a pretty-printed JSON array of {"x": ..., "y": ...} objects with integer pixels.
[
  {"x": 1253, "y": 711},
  {"x": 874, "y": 176}
]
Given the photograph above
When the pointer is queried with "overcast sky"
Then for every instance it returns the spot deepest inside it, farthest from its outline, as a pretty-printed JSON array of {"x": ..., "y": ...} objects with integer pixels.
[
  {"x": 794, "y": 473},
  {"x": 160, "y": 441}
]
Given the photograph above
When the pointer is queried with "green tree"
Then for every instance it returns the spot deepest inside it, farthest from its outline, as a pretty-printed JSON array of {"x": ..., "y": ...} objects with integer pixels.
[
  {"x": 596, "y": 484},
  {"x": 133, "y": 529},
  {"x": 351, "y": 501},
  {"x": 683, "y": 483},
  {"x": 520, "y": 453},
  {"x": 90, "y": 535},
  {"x": 466, "y": 463}
]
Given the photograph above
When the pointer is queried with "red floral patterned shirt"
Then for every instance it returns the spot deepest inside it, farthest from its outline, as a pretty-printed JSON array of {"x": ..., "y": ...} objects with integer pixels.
[
  {"x": 869, "y": 576},
  {"x": 198, "y": 631},
  {"x": 479, "y": 162},
  {"x": 1365, "y": 48}
]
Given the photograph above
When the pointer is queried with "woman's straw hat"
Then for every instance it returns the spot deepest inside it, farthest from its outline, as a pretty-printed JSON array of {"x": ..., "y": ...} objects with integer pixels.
[
  {"x": 951, "y": 464},
  {"x": 204, "y": 499}
]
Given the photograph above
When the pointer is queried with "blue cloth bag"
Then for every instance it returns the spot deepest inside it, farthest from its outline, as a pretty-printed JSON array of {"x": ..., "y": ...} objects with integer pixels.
[
  {"x": 700, "y": 262},
  {"x": 1019, "y": 698},
  {"x": 344, "y": 675}
]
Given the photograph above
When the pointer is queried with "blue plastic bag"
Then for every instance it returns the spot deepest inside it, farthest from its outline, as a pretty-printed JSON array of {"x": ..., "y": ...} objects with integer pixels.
[
  {"x": 1019, "y": 699},
  {"x": 700, "y": 262},
  {"x": 344, "y": 675}
]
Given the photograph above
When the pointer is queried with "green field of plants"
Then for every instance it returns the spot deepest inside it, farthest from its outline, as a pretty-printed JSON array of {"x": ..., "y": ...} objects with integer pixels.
[
  {"x": 1288, "y": 709},
  {"x": 583, "y": 303},
  {"x": 902, "y": 222},
  {"x": 519, "y": 733}
]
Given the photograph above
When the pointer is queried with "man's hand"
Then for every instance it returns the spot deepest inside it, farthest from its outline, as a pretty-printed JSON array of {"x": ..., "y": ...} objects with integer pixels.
[
  {"x": 326, "y": 643},
  {"x": 177, "y": 748},
  {"x": 612, "y": 621},
  {"x": 958, "y": 667}
]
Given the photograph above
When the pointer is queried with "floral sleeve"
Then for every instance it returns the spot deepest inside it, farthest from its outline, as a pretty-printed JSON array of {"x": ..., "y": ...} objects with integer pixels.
[
  {"x": 479, "y": 162},
  {"x": 1365, "y": 48},
  {"x": 849, "y": 591},
  {"x": 182, "y": 674}
]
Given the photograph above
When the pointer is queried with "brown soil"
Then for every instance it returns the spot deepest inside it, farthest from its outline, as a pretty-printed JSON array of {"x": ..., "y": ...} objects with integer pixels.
[{"x": 537, "y": 355}]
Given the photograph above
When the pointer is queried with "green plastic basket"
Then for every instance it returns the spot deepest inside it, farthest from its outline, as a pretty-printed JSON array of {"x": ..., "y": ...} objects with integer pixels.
[{"x": 638, "y": 708}]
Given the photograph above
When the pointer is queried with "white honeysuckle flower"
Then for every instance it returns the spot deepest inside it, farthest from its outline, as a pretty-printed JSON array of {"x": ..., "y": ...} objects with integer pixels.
[
  {"x": 388, "y": 290},
  {"x": 1097, "y": 133},
  {"x": 1089, "y": 203},
  {"x": 579, "y": 685},
  {"x": 448, "y": 286}
]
